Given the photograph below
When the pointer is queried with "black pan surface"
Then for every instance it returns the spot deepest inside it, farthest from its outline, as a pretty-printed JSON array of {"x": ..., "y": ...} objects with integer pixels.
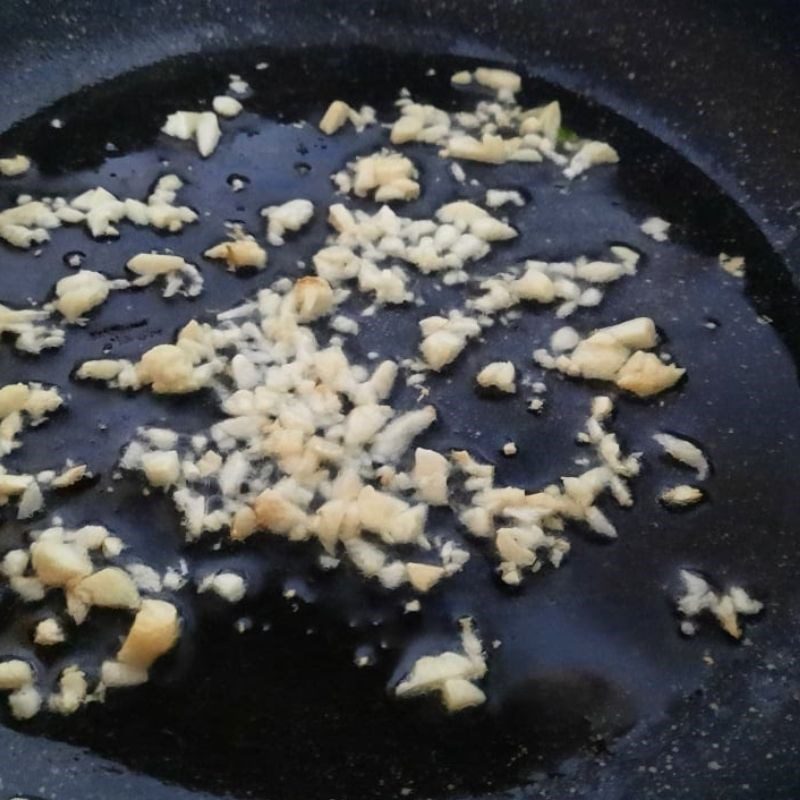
[{"x": 593, "y": 692}]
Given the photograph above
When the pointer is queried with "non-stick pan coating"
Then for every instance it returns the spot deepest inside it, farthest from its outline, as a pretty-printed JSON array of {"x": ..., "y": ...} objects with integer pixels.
[{"x": 698, "y": 730}]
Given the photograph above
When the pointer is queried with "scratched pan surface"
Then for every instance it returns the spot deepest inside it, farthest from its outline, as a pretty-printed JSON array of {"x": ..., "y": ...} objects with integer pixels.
[{"x": 592, "y": 691}]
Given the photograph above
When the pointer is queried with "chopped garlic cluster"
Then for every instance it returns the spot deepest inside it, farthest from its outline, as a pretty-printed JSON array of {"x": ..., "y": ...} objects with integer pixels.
[
  {"x": 444, "y": 338},
  {"x": 498, "y": 375},
  {"x": 30, "y": 221},
  {"x": 79, "y": 564},
  {"x": 526, "y": 528},
  {"x": 387, "y": 176},
  {"x": 573, "y": 284},
  {"x": 685, "y": 452},
  {"x": 27, "y": 405},
  {"x": 311, "y": 446},
  {"x": 618, "y": 354},
  {"x": 498, "y": 131}
]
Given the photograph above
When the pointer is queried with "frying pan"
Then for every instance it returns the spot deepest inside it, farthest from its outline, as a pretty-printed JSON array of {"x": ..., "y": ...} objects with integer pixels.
[{"x": 701, "y": 100}]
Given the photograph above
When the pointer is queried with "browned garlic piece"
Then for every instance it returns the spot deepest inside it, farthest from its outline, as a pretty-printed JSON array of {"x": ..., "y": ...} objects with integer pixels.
[
  {"x": 186, "y": 366},
  {"x": 110, "y": 587},
  {"x": 450, "y": 674},
  {"x": 698, "y": 596}
]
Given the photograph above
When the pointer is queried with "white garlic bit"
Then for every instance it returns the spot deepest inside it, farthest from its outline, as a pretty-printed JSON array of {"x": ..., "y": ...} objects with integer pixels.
[
  {"x": 499, "y": 375},
  {"x": 681, "y": 496},
  {"x": 290, "y": 216},
  {"x": 14, "y": 165},
  {"x": 226, "y": 106},
  {"x": 685, "y": 452},
  {"x": 698, "y": 597},
  {"x": 656, "y": 228}
]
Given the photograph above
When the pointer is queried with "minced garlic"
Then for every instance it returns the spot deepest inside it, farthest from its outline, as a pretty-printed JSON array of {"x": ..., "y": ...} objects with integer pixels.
[
  {"x": 239, "y": 254},
  {"x": 733, "y": 265},
  {"x": 498, "y": 375},
  {"x": 698, "y": 596},
  {"x": 685, "y": 452},
  {"x": 681, "y": 496},
  {"x": 180, "y": 276},
  {"x": 290, "y": 216},
  {"x": 201, "y": 126},
  {"x": 451, "y": 674},
  {"x": 310, "y": 444},
  {"x": 226, "y": 106},
  {"x": 338, "y": 113},
  {"x": 15, "y": 165},
  {"x": 49, "y": 633},
  {"x": 388, "y": 176},
  {"x": 154, "y": 632}
]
